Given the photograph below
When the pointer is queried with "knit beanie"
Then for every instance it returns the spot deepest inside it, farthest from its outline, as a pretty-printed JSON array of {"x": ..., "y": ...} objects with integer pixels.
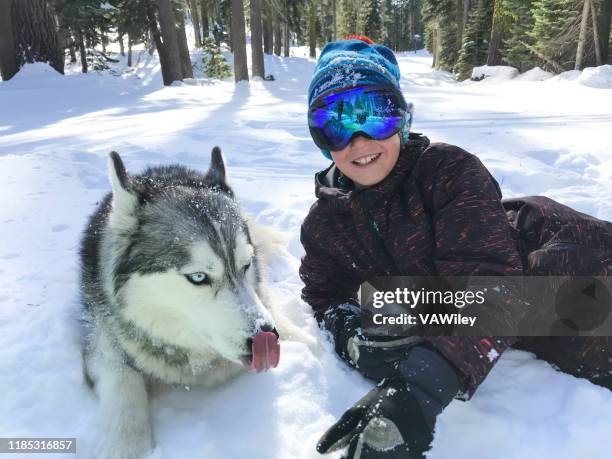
[{"x": 355, "y": 62}]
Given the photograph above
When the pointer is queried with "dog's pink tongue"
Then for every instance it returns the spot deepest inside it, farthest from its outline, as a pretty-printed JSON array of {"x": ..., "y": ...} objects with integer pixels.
[{"x": 266, "y": 351}]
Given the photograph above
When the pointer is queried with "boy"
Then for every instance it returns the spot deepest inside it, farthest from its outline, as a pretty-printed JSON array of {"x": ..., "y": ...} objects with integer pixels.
[{"x": 392, "y": 204}]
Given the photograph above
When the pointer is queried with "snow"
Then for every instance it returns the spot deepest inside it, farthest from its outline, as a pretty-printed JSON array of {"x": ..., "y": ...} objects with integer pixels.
[
  {"x": 35, "y": 71},
  {"x": 597, "y": 77},
  {"x": 594, "y": 77},
  {"x": 497, "y": 72},
  {"x": 535, "y": 137},
  {"x": 535, "y": 74}
]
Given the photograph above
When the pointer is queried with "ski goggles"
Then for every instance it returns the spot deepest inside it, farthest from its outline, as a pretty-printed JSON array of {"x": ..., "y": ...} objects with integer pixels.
[{"x": 377, "y": 112}]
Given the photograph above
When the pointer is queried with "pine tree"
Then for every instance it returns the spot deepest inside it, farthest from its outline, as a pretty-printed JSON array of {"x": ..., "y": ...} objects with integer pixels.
[
  {"x": 349, "y": 18},
  {"x": 515, "y": 51},
  {"x": 372, "y": 22},
  {"x": 442, "y": 32},
  {"x": 475, "y": 40},
  {"x": 553, "y": 35},
  {"x": 215, "y": 63}
]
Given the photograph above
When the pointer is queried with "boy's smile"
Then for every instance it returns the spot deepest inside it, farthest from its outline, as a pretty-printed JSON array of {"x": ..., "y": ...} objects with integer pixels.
[{"x": 367, "y": 161}]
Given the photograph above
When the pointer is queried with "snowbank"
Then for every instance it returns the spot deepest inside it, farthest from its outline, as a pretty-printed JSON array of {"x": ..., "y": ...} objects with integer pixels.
[
  {"x": 37, "y": 70},
  {"x": 497, "y": 72},
  {"x": 535, "y": 74},
  {"x": 597, "y": 77}
]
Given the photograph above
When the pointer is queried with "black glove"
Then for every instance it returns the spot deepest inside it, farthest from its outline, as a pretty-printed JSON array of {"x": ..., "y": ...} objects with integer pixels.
[
  {"x": 375, "y": 357},
  {"x": 396, "y": 419}
]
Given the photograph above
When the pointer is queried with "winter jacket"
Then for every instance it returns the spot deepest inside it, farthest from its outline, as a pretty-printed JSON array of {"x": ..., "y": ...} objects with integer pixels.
[{"x": 438, "y": 212}]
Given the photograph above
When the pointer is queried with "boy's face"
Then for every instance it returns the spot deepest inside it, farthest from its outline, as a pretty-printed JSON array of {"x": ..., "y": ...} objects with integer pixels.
[{"x": 368, "y": 161}]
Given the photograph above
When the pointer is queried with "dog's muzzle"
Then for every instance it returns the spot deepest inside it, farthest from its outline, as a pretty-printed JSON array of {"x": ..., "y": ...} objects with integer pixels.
[{"x": 265, "y": 351}]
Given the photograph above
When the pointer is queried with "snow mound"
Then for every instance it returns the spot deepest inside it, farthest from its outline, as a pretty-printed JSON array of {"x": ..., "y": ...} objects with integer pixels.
[
  {"x": 535, "y": 74},
  {"x": 497, "y": 72},
  {"x": 570, "y": 75},
  {"x": 597, "y": 77},
  {"x": 35, "y": 70}
]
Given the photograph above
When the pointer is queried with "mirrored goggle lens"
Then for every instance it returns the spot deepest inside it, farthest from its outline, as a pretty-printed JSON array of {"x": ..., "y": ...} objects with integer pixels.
[{"x": 335, "y": 118}]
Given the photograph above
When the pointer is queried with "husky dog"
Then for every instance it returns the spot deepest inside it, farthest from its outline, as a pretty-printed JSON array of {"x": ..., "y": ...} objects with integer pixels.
[{"x": 172, "y": 292}]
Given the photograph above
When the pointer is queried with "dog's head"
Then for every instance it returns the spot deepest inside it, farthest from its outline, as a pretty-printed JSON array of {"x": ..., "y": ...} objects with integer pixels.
[{"x": 182, "y": 266}]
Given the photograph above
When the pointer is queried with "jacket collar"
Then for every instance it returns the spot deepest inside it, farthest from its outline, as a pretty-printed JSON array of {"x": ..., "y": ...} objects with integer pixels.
[{"x": 340, "y": 192}]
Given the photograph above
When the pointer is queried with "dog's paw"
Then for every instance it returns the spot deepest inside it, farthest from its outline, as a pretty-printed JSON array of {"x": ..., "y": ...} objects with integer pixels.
[{"x": 136, "y": 447}]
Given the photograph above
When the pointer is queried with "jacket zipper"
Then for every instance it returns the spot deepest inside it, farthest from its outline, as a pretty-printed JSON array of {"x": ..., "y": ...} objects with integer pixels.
[{"x": 371, "y": 223}]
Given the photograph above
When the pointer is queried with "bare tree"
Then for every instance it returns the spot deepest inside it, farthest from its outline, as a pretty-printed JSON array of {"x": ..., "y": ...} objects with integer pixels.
[
  {"x": 8, "y": 63},
  {"x": 277, "y": 34},
  {"x": 183, "y": 47},
  {"x": 583, "y": 34},
  {"x": 267, "y": 27},
  {"x": 286, "y": 39},
  {"x": 196, "y": 22},
  {"x": 604, "y": 16},
  {"x": 168, "y": 44},
  {"x": 497, "y": 32},
  {"x": 256, "y": 40},
  {"x": 241, "y": 71},
  {"x": 312, "y": 29},
  {"x": 286, "y": 29},
  {"x": 204, "y": 18},
  {"x": 596, "y": 39},
  {"x": 334, "y": 31}
]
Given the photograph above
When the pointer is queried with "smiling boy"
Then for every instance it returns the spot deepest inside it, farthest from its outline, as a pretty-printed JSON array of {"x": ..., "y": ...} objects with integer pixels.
[{"x": 392, "y": 204}]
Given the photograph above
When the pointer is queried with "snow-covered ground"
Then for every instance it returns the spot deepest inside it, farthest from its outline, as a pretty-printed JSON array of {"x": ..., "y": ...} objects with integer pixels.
[{"x": 537, "y": 137}]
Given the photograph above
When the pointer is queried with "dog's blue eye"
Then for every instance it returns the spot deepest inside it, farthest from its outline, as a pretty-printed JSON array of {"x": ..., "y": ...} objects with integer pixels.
[{"x": 198, "y": 278}]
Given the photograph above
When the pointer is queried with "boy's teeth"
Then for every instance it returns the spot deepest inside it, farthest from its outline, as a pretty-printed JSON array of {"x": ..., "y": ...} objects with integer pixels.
[{"x": 366, "y": 159}]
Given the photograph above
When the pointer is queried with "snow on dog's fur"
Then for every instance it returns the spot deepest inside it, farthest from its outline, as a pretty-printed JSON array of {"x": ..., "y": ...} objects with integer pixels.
[{"x": 173, "y": 292}]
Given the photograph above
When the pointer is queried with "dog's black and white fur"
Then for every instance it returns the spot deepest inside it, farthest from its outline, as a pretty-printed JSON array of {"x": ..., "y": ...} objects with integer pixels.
[{"x": 172, "y": 291}]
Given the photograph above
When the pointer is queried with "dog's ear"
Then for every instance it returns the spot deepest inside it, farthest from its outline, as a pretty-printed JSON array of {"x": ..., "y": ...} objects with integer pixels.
[
  {"x": 215, "y": 177},
  {"x": 216, "y": 171},
  {"x": 124, "y": 199}
]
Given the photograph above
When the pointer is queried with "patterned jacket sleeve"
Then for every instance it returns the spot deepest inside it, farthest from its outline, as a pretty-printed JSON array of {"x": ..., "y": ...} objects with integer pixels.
[
  {"x": 473, "y": 237},
  {"x": 326, "y": 284}
]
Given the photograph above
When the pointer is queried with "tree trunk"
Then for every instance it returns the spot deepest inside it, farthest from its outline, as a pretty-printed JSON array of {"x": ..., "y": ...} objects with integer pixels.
[
  {"x": 196, "y": 22},
  {"x": 129, "y": 58},
  {"x": 435, "y": 50},
  {"x": 312, "y": 30},
  {"x": 495, "y": 41},
  {"x": 156, "y": 43},
  {"x": 596, "y": 38},
  {"x": 286, "y": 40},
  {"x": 256, "y": 40},
  {"x": 229, "y": 29},
  {"x": 267, "y": 28},
  {"x": 334, "y": 30},
  {"x": 186, "y": 68},
  {"x": 205, "y": 27},
  {"x": 8, "y": 62},
  {"x": 467, "y": 4},
  {"x": 34, "y": 34},
  {"x": 241, "y": 71},
  {"x": 169, "y": 43},
  {"x": 582, "y": 36},
  {"x": 82, "y": 50},
  {"x": 277, "y": 35},
  {"x": 121, "y": 47},
  {"x": 605, "y": 14},
  {"x": 72, "y": 52}
]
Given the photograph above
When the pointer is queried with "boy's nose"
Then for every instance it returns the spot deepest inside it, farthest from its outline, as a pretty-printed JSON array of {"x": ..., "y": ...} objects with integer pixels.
[{"x": 358, "y": 140}]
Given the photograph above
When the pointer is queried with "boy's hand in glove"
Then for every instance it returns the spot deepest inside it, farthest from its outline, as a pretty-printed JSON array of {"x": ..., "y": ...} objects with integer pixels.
[
  {"x": 375, "y": 357},
  {"x": 396, "y": 419}
]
